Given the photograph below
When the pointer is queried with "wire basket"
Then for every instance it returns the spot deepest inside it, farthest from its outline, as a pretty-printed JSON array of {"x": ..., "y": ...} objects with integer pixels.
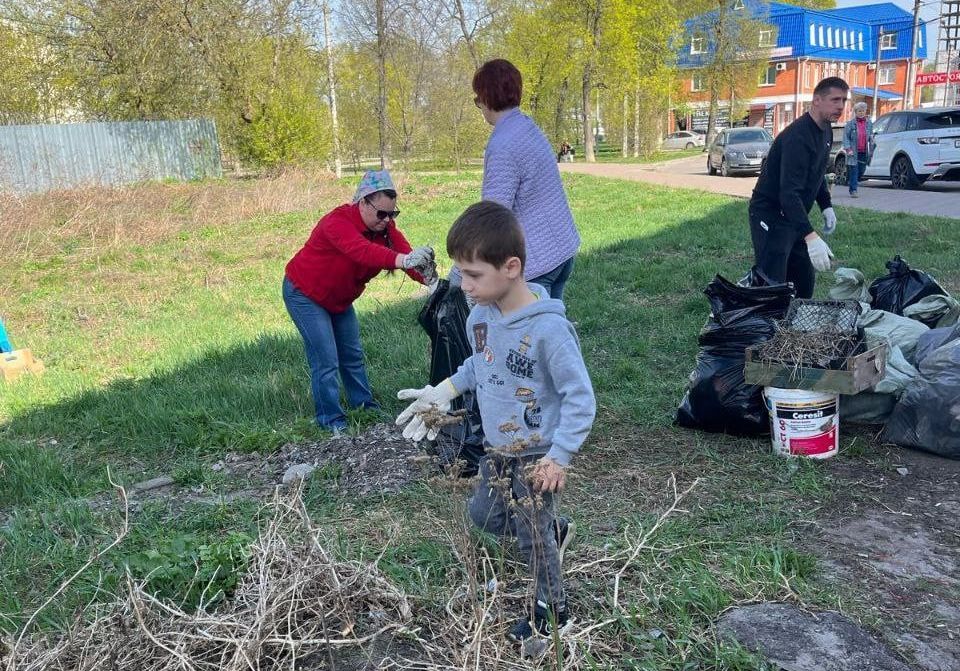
[{"x": 811, "y": 316}]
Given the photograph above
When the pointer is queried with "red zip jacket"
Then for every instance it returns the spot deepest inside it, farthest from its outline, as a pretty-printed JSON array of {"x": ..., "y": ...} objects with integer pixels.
[{"x": 342, "y": 255}]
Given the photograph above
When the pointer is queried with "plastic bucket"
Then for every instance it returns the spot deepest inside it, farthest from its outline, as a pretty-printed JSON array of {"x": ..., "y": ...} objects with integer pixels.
[{"x": 803, "y": 423}]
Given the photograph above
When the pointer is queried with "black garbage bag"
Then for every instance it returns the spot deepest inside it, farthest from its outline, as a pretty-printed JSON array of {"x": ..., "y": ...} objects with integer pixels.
[
  {"x": 927, "y": 416},
  {"x": 444, "y": 318},
  {"x": 901, "y": 287},
  {"x": 717, "y": 398}
]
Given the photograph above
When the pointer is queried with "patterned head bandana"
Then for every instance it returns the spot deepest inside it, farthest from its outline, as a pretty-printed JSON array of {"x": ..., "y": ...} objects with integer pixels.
[{"x": 373, "y": 181}]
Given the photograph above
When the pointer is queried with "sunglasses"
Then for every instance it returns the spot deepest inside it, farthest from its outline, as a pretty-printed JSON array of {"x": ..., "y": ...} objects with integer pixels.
[
  {"x": 384, "y": 214},
  {"x": 477, "y": 101}
]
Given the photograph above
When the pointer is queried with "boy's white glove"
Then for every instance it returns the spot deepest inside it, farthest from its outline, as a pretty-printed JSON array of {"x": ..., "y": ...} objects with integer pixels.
[
  {"x": 438, "y": 397},
  {"x": 819, "y": 253},
  {"x": 829, "y": 221}
]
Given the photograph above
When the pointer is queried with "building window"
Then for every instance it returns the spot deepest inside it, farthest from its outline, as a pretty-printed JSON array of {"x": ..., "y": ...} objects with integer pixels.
[
  {"x": 769, "y": 76},
  {"x": 766, "y": 38},
  {"x": 697, "y": 44},
  {"x": 836, "y": 38},
  {"x": 860, "y": 40},
  {"x": 820, "y": 33},
  {"x": 887, "y": 74},
  {"x": 696, "y": 82},
  {"x": 806, "y": 75},
  {"x": 829, "y": 38},
  {"x": 813, "y": 34},
  {"x": 888, "y": 41},
  {"x": 844, "y": 40}
]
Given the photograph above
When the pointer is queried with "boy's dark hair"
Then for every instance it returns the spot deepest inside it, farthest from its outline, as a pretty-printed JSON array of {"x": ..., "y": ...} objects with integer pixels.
[
  {"x": 830, "y": 83},
  {"x": 487, "y": 231}
]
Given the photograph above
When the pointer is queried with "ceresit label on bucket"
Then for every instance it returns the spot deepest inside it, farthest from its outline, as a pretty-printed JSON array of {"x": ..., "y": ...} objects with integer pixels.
[{"x": 803, "y": 423}]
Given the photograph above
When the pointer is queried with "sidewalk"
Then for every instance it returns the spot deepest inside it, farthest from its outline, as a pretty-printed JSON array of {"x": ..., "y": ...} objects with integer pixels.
[{"x": 939, "y": 199}]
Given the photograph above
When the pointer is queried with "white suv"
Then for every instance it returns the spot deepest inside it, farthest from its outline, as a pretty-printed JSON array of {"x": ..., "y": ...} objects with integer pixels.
[{"x": 916, "y": 145}]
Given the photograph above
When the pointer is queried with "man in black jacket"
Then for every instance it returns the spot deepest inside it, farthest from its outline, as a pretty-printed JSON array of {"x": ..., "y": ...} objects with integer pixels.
[{"x": 785, "y": 245}]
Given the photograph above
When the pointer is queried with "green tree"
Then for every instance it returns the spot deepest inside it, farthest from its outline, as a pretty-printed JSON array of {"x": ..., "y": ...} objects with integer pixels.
[{"x": 733, "y": 59}]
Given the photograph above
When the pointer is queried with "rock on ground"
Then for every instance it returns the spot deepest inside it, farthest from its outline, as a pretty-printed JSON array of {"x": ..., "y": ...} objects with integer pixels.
[{"x": 801, "y": 641}]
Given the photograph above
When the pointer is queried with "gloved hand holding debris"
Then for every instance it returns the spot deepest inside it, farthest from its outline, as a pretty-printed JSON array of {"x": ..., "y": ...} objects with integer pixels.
[
  {"x": 423, "y": 261},
  {"x": 436, "y": 399}
]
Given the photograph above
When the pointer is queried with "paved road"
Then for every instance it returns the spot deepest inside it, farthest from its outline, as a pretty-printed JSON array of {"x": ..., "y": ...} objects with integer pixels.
[{"x": 934, "y": 198}]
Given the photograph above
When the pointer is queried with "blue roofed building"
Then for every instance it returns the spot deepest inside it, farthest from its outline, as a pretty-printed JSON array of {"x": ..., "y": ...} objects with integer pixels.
[{"x": 803, "y": 46}]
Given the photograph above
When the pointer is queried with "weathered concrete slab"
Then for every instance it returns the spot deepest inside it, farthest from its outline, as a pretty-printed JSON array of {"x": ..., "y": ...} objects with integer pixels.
[{"x": 800, "y": 641}]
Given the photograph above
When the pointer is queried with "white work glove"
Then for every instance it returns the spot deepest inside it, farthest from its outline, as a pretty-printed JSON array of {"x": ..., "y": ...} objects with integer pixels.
[
  {"x": 829, "y": 221},
  {"x": 820, "y": 254},
  {"x": 420, "y": 257},
  {"x": 438, "y": 397}
]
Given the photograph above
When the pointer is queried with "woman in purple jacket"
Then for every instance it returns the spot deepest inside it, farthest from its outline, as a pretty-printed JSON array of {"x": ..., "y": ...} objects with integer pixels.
[{"x": 520, "y": 172}]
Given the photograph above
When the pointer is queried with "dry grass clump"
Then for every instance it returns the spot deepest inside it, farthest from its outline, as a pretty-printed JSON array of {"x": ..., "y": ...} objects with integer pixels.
[
  {"x": 37, "y": 225},
  {"x": 299, "y": 606},
  {"x": 295, "y": 600},
  {"x": 808, "y": 349}
]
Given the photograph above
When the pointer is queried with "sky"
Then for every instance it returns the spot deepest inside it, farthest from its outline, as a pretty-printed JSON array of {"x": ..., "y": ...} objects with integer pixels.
[{"x": 929, "y": 11}]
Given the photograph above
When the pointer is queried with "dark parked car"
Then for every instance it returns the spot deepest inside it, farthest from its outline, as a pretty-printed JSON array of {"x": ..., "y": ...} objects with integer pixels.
[{"x": 738, "y": 150}]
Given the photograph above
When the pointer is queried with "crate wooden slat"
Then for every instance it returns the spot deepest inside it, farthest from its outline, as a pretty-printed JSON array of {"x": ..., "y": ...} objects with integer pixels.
[{"x": 861, "y": 372}]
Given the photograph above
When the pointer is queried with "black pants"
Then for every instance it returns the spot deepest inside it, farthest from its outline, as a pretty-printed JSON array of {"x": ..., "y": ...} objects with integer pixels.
[{"x": 781, "y": 252}]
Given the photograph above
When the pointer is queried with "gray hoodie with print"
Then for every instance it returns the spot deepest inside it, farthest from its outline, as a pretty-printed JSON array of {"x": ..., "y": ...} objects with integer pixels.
[{"x": 529, "y": 377}]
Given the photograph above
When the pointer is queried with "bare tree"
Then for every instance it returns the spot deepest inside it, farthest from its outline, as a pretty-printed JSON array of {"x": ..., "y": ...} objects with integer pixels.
[
  {"x": 457, "y": 10},
  {"x": 376, "y": 19},
  {"x": 332, "y": 91}
]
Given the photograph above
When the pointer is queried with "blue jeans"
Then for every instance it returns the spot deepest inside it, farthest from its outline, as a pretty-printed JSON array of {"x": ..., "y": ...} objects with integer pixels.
[
  {"x": 555, "y": 280},
  {"x": 855, "y": 170},
  {"x": 331, "y": 342}
]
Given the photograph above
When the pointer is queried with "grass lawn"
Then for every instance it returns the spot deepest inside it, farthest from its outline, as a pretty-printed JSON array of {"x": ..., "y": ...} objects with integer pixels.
[
  {"x": 163, "y": 357},
  {"x": 610, "y": 154}
]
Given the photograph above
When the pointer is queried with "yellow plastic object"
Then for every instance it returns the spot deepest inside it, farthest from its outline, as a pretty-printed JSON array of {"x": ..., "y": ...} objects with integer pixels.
[{"x": 16, "y": 363}]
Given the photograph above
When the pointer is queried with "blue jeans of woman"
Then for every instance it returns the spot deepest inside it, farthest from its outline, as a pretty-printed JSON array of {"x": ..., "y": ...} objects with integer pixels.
[
  {"x": 555, "y": 280},
  {"x": 855, "y": 169},
  {"x": 332, "y": 343}
]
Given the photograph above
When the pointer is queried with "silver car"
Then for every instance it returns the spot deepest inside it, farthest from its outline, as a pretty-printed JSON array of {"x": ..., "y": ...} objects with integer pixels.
[
  {"x": 739, "y": 150},
  {"x": 683, "y": 139}
]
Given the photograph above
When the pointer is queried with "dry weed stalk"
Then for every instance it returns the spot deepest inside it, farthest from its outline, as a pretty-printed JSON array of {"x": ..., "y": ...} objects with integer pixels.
[
  {"x": 294, "y": 600},
  {"x": 298, "y": 603}
]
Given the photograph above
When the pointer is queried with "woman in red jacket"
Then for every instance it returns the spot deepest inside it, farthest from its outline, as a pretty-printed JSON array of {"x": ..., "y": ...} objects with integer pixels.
[{"x": 348, "y": 247}]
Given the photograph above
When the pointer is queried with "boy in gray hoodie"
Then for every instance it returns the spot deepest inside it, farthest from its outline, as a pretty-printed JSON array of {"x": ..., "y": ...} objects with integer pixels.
[{"x": 535, "y": 397}]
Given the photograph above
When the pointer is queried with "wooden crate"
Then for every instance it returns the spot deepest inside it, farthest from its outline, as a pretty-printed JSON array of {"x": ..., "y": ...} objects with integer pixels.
[
  {"x": 16, "y": 363},
  {"x": 861, "y": 372}
]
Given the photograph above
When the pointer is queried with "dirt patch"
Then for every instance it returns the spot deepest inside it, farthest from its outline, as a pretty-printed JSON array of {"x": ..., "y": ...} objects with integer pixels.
[
  {"x": 376, "y": 462},
  {"x": 894, "y": 539}
]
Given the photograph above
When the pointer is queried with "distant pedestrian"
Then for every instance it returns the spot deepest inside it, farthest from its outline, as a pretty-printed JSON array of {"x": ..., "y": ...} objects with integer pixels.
[{"x": 857, "y": 144}]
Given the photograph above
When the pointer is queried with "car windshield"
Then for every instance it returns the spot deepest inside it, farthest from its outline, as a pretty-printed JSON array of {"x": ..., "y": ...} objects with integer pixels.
[{"x": 748, "y": 135}]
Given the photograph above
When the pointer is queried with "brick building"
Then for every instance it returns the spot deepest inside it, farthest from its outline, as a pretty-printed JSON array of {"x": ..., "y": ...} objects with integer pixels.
[{"x": 806, "y": 45}]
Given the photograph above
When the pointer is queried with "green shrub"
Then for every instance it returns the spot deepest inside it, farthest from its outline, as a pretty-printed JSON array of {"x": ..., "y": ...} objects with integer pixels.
[{"x": 185, "y": 570}]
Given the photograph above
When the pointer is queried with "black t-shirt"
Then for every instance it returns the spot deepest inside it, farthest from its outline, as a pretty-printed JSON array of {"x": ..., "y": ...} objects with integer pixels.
[{"x": 794, "y": 174}]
